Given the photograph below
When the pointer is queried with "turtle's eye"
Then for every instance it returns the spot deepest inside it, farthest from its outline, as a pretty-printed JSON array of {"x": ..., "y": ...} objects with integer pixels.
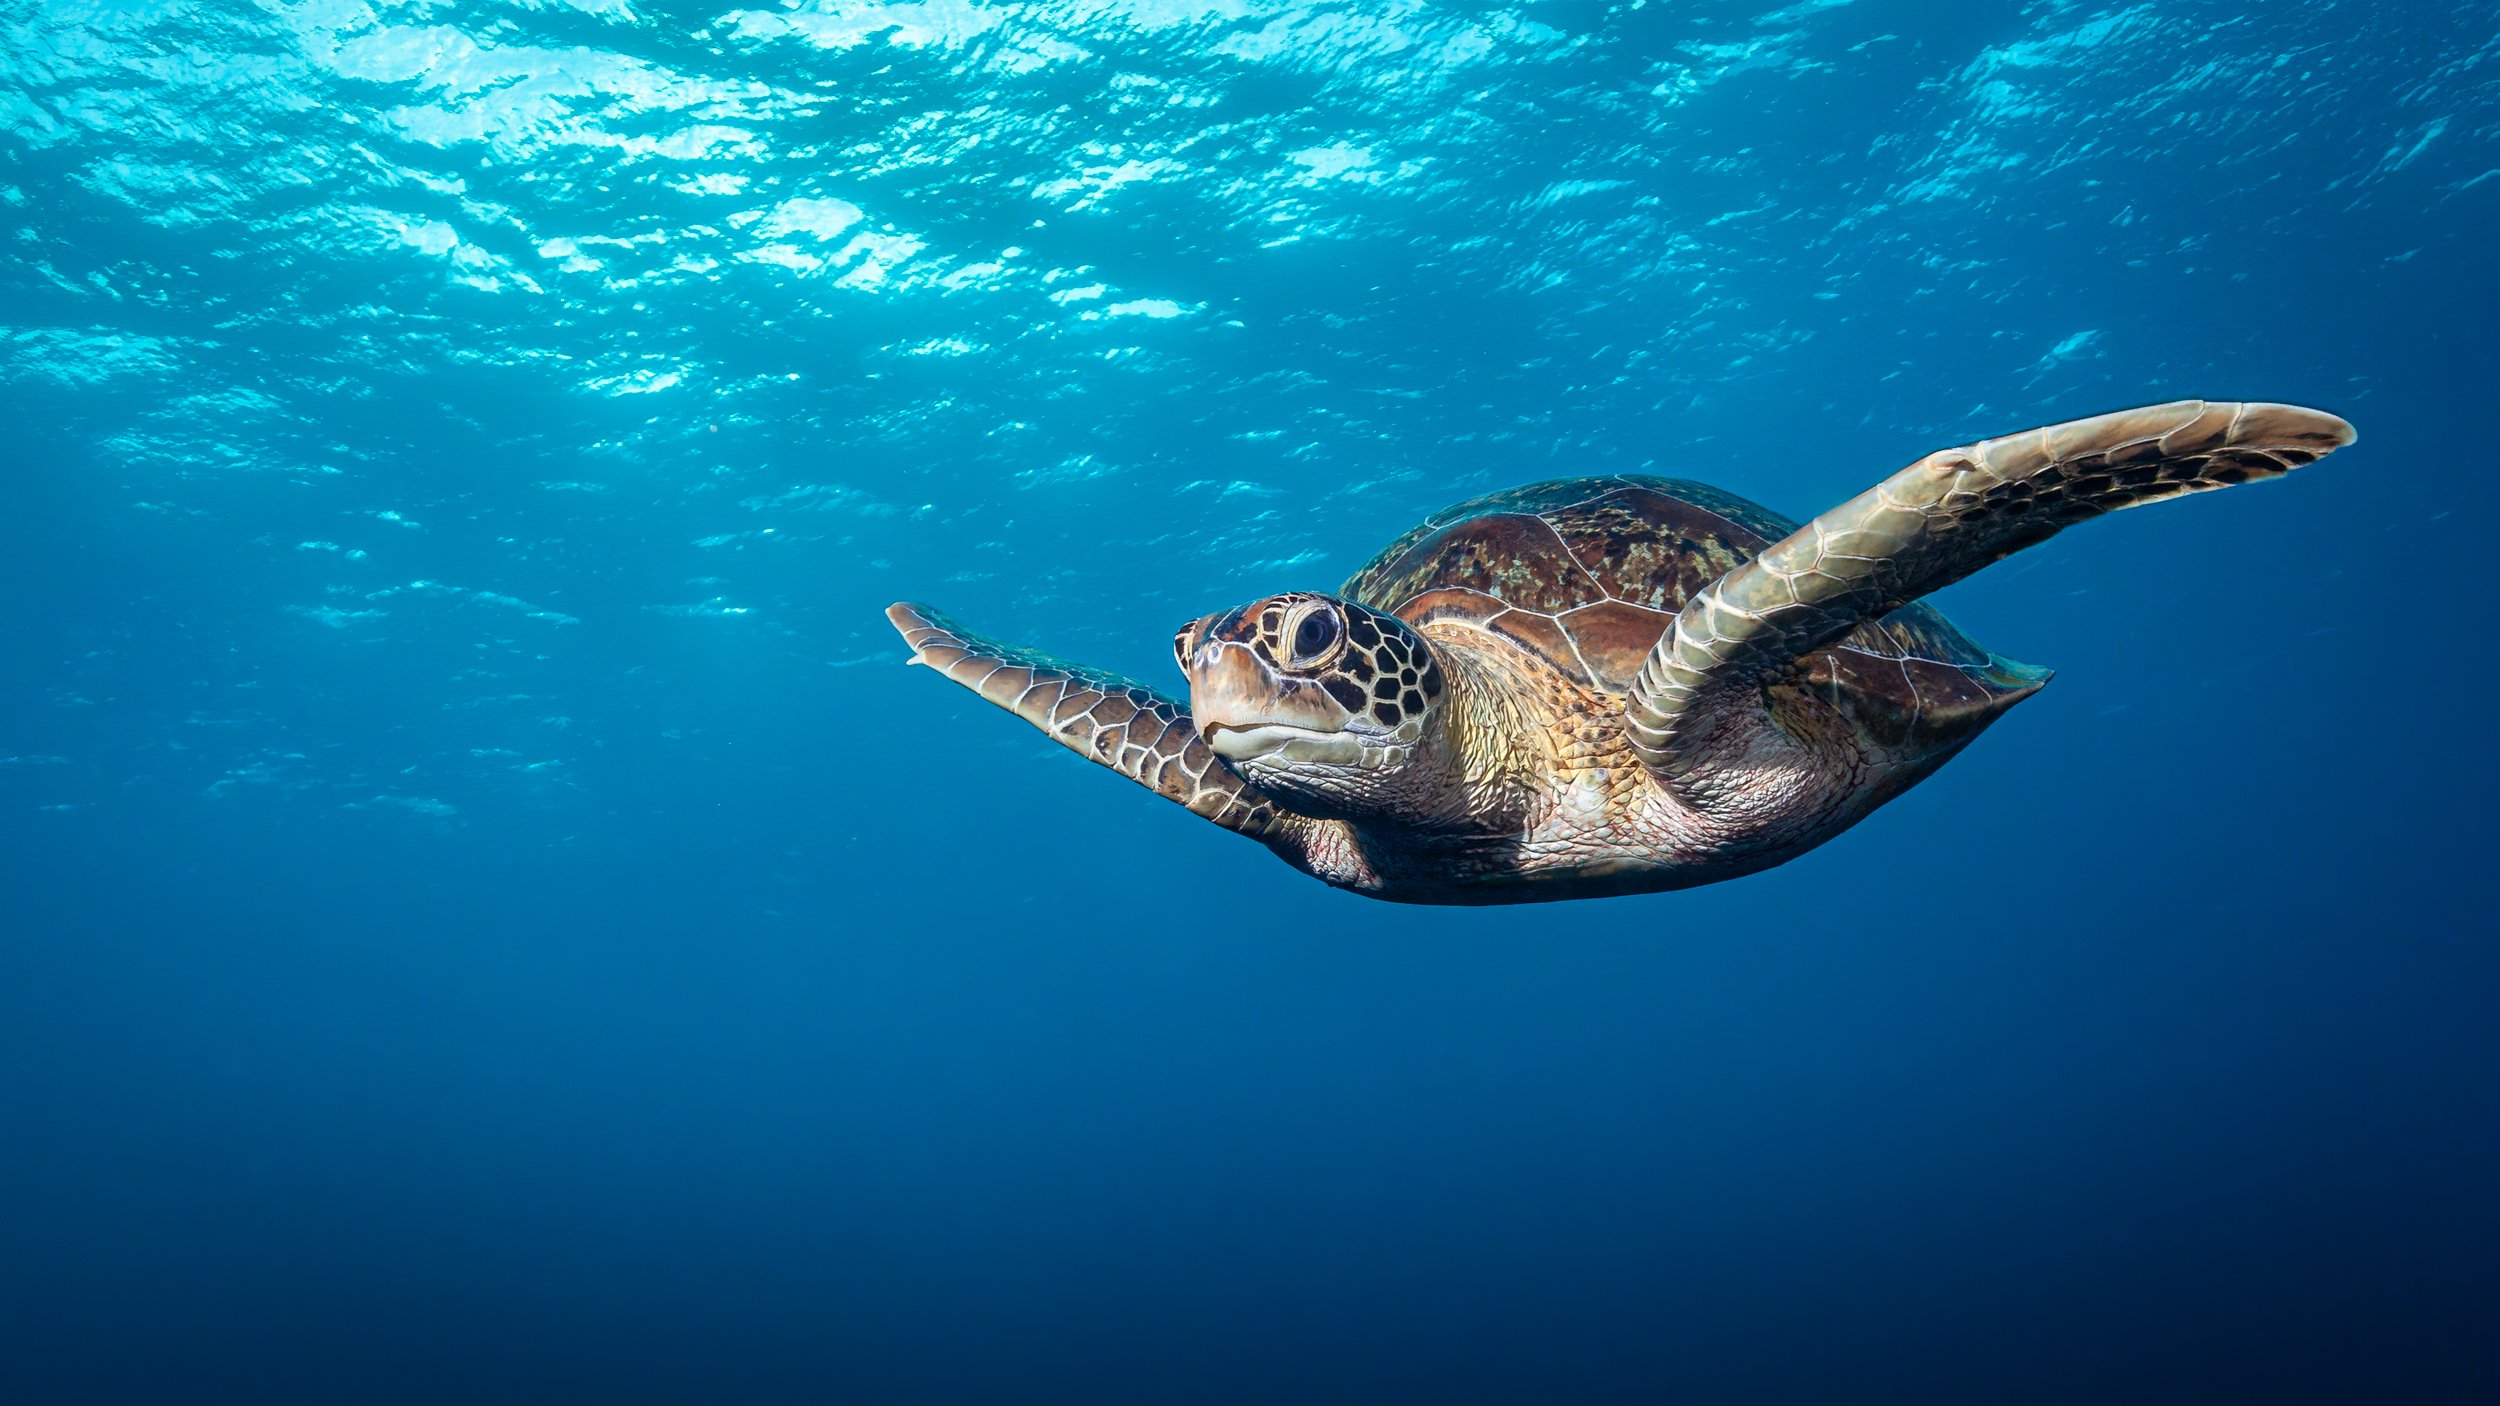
[{"x": 1315, "y": 637}]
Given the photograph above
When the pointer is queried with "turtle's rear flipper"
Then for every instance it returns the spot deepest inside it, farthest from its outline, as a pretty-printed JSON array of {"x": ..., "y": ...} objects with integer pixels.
[
  {"x": 1120, "y": 724},
  {"x": 1698, "y": 699}
]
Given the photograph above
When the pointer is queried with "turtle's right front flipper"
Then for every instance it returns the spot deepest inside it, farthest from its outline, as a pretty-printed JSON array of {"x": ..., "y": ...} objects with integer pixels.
[
  {"x": 1697, "y": 703},
  {"x": 1117, "y": 723}
]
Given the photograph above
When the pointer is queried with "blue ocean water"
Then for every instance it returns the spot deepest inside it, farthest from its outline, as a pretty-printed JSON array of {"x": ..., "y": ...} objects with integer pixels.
[{"x": 489, "y": 916}]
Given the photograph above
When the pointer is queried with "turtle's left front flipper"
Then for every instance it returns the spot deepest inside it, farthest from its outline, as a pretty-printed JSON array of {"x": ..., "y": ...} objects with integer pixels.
[
  {"x": 1117, "y": 723},
  {"x": 1696, "y": 708}
]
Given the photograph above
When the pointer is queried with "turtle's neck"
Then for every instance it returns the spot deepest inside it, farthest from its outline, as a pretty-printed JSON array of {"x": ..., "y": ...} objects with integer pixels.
[
  {"x": 1467, "y": 775},
  {"x": 1480, "y": 773},
  {"x": 1456, "y": 809}
]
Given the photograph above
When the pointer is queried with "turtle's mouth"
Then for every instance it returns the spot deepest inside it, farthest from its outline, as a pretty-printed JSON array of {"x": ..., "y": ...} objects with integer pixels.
[{"x": 1236, "y": 742}]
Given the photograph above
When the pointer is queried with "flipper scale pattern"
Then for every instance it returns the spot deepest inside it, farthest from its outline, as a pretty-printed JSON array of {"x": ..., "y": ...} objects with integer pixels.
[
  {"x": 1112, "y": 721},
  {"x": 1698, "y": 695}
]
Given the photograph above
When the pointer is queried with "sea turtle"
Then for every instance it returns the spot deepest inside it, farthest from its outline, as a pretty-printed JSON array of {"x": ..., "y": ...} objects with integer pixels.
[{"x": 1620, "y": 684}]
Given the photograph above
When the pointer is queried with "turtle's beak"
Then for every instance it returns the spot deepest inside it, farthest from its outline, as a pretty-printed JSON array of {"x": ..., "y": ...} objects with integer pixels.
[
  {"x": 1229, "y": 688},
  {"x": 1281, "y": 741},
  {"x": 1242, "y": 710}
]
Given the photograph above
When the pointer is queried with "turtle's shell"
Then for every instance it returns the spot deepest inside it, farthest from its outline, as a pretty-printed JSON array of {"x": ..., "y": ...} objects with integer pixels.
[{"x": 1587, "y": 573}]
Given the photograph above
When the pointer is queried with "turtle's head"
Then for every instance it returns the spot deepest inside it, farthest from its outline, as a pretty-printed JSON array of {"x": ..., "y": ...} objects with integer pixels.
[{"x": 1313, "y": 698}]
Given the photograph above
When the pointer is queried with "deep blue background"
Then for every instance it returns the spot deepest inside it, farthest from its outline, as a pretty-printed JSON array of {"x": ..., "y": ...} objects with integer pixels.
[{"x": 489, "y": 918}]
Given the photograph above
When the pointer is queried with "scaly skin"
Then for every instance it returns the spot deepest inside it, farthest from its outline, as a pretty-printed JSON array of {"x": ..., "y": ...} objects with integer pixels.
[
  {"x": 1693, "y": 715},
  {"x": 1530, "y": 791},
  {"x": 1502, "y": 778},
  {"x": 1110, "y": 720}
]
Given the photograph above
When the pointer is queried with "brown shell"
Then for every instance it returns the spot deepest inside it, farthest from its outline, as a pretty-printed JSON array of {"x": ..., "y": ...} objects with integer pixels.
[{"x": 1587, "y": 573}]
